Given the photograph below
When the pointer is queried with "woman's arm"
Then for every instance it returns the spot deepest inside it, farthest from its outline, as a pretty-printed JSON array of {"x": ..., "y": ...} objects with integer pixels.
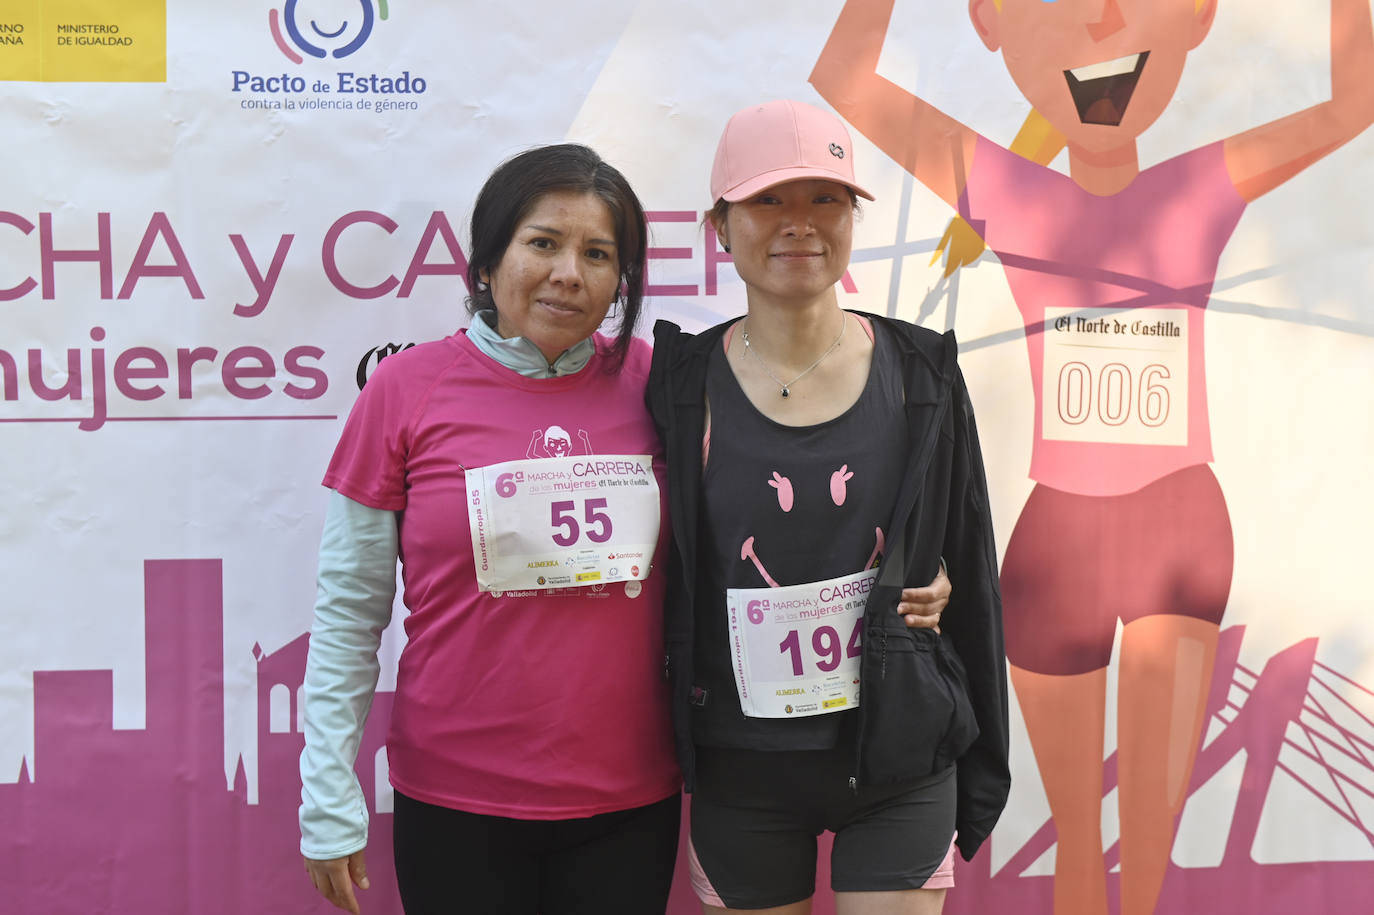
[
  {"x": 357, "y": 585},
  {"x": 1261, "y": 159},
  {"x": 930, "y": 144}
]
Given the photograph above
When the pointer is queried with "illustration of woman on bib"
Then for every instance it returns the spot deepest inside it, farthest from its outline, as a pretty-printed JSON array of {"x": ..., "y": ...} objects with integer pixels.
[{"x": 1112, "y": 267}]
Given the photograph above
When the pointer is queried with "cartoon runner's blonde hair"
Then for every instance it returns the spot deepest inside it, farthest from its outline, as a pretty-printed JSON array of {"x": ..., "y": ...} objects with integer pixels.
[{"x": 1037, "y": 140}]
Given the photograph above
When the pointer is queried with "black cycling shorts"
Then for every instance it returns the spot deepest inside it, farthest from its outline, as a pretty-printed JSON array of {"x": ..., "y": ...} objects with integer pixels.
[{"x": 756, "y": 816}]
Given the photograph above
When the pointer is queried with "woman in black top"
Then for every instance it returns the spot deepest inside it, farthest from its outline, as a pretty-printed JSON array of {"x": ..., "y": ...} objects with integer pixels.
[{"x": 821, "y": 460}]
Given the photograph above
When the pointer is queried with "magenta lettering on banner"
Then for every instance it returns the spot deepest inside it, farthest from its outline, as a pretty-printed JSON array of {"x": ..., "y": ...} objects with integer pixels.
[
  {"x": 49, "y": 255},
  {"x": 125, "y": 373},
  {"x": 241, "y": 366},
  {"x": 28, "y": 284},
  {"x": 669, "y": 253},
  {"x": 331, "y": 261},
  {"x": 262, "y": 285},
  {"x": 715, "y": 256},
  {"x": 437, "y": 225},
  {"x": 9, "y": 376},
  {"x": 186, "y": 360},
  {"x": 159, "y": 226},
  {"x": 238, "y": 365},
  {"x": 296, "y": 367},
  {"x": 71, "y": 389}
]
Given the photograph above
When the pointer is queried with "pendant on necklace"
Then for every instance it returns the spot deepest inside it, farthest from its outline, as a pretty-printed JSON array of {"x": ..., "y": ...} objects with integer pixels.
[{"x": 784, "y": 388}]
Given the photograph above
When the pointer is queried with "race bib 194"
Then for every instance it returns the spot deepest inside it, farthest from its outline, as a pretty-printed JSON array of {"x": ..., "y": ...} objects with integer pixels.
[
  {"x": 563, "y": 521},
  {"x": 1116, "y": 375},
  {"x": 796, "y": 649}
]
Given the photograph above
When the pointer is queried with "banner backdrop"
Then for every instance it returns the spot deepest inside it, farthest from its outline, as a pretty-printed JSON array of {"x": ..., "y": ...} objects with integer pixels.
[{"x": 216, "y": 219}]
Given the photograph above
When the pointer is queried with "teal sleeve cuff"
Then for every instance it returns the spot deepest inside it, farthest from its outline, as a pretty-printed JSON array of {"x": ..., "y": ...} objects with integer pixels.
[{"x": 355, "y": 591}]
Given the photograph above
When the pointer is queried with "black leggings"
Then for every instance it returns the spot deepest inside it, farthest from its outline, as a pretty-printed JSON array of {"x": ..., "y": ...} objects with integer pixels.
[{"x": 453, "y": 863}]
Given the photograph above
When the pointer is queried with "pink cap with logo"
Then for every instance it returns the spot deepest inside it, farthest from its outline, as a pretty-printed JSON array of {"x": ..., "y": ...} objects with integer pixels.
[{"x": 780, "y": 141}]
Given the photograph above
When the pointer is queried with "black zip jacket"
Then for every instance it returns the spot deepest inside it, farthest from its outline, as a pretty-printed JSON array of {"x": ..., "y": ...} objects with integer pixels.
[{"x": 928, "y": 700}]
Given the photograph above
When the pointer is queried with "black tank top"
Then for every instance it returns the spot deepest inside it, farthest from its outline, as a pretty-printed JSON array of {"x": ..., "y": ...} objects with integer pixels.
[{"x": 811, "y": 498}]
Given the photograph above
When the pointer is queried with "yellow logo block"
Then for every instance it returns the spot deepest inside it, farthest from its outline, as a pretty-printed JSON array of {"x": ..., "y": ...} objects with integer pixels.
[
  {"x": 835, "y": 703},
  {"x": 83, "y": 41},
  {"x": 588, "y": 576}
]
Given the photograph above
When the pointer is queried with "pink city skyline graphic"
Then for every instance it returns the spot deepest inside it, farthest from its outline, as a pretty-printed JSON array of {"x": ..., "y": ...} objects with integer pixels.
[{"x": 140, "y": 820}]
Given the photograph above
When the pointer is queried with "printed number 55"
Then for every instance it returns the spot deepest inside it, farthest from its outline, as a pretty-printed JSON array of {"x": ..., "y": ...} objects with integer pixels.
[{"x": 594, "y": 517}]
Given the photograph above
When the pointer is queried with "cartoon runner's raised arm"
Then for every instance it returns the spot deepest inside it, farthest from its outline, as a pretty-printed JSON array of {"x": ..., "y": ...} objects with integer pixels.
[
  {"x": 1264, "y": 157},
  {"x": 914, "y": 133}
]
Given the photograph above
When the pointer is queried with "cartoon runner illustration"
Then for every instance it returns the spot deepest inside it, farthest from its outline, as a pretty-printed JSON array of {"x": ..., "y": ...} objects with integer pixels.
[
  {"x": 556, "y": 442},
  {"x": 1112, "y": 267}
]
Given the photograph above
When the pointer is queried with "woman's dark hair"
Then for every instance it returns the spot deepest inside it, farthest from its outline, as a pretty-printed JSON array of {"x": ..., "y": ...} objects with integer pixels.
[{"x": 516, "y": 187}]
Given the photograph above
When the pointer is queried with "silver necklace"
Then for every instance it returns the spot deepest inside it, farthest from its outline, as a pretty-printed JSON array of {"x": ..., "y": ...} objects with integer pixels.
[{"x": 784, "y": 387}]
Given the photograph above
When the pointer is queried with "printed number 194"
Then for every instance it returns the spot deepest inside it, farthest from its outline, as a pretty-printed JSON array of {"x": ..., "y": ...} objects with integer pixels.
[{"x": 825, "y": 642}]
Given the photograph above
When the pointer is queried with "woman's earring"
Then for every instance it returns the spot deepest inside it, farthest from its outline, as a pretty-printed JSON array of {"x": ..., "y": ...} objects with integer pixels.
[{"x": 727, "y": 248}]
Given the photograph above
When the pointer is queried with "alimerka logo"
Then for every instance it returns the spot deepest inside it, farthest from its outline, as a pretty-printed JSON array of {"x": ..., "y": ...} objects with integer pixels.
[{"x": 319, "y": 31}]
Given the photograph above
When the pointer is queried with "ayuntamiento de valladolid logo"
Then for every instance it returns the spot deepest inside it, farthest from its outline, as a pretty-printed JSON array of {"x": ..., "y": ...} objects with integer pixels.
[{"x": 319, "y": 38}]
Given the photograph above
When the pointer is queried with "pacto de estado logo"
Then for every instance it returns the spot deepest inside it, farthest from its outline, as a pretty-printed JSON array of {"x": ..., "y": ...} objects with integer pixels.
[
  {"x": 319, "y": 32},
  {"x": 311, "y": 32}
]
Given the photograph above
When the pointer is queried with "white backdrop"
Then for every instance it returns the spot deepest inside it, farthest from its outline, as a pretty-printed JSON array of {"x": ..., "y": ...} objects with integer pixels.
[{"x": 204, "y": 470}]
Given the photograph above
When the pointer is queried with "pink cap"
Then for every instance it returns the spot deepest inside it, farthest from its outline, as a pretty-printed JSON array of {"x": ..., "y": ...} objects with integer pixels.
[{"x": 780, "y": 141}]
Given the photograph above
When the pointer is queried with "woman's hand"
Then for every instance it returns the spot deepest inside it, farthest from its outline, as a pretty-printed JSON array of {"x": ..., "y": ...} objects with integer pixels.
[
  {"x": 335, "y": 878},
  {"x": 921, "y": 607}
]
